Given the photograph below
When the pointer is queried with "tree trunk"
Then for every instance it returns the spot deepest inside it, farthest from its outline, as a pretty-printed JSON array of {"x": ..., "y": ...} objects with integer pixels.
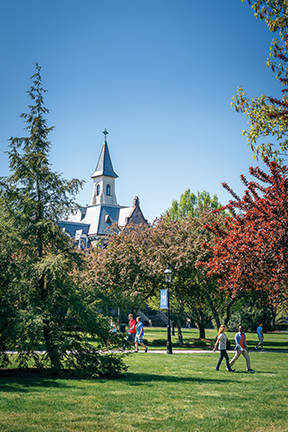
[
  {"x": 179, "y": 316},
  {"x": 179, "y": 331},
  {"x": 201, "y": 321},
  {"x": 4, "y": 359},
  {"x": 52, "y": 349},
  {"x": 201, "y": 328},
  {"x": 274, "y": 311},
  {"x": 213, "y": 310},
  {"x": 228, "y": 311}
]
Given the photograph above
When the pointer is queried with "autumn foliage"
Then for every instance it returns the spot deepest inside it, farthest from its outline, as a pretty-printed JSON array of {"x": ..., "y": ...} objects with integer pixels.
[{"x": 251, "y": 251}]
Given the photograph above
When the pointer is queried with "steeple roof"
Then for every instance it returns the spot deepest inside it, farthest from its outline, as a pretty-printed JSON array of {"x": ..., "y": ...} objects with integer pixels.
[{"x": 104, "y": 166}]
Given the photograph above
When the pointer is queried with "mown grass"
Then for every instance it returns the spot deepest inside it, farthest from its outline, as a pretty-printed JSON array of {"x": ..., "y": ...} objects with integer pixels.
[
  {"x": 157, "y": 338},
  {"x": 181, "y": 392}
]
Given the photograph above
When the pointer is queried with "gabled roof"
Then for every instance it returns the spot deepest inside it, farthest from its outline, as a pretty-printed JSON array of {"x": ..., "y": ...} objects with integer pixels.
[
  {"x": 98, "y": 218},
  {"x": 104, "y": 166},
  {"x": 72, "y": 227},
  {"x": 124, "y": 213}
]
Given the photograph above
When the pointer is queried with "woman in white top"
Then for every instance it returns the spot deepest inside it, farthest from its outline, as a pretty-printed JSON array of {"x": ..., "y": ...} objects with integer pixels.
[{"x": 222, "y": 342}]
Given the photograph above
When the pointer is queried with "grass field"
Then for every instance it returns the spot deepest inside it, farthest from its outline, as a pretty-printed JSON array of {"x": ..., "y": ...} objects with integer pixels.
[
  {"x": 181, "y": 392},
  {"x": 157, "y": 338}
]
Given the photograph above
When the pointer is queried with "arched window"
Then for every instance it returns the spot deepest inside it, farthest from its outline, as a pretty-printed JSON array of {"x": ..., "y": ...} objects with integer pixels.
[
  {"x": 98, "y": 189},
  {"x": 108, "y": 190}
]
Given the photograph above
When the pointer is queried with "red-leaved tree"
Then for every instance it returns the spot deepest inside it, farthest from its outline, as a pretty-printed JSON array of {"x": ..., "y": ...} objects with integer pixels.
[{"x": 251, "y": 251}]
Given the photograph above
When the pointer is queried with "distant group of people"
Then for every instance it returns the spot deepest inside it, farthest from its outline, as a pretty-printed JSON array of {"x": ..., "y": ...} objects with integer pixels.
[
  {"x": 135, "y": 333},
  {"x": 240, "y": 348}
]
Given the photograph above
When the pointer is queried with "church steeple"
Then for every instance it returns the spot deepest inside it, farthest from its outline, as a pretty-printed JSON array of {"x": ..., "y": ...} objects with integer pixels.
[
  {"x": 104, "y": 178},
  {"x": 104, "y": 165}
]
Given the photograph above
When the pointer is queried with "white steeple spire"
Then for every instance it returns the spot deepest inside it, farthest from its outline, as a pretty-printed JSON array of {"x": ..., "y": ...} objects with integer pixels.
[{"x": 104, "y": 178}]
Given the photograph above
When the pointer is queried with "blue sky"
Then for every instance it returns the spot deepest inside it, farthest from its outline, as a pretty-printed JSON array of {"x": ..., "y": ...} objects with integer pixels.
[{"x": 158, "y": 74}]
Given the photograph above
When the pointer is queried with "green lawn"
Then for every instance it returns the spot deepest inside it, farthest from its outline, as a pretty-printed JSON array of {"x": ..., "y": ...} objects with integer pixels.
[
  {"x": 181, "y": 392},
  {"x": 157, "y": 338}
]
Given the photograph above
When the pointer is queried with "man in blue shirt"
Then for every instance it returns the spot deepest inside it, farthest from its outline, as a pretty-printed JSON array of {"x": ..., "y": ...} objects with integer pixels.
[
  {"x": 241, "y": 348},
  {"x": 260, "y": 336},
  {"x": 139, "y": 334}
]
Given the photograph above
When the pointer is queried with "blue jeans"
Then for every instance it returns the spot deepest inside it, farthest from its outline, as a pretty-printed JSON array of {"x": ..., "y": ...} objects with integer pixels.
[
  {"x": 131, "y": 337},
  {"x": 223, "y": 353}
]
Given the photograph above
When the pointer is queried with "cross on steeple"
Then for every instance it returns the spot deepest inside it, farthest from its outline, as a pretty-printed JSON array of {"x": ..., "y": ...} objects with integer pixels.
[{"x": 105, "y": 133}]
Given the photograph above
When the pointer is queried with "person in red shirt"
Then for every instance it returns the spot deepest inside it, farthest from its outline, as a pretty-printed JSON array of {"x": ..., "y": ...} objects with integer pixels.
[{"x": 131, "y": 331}]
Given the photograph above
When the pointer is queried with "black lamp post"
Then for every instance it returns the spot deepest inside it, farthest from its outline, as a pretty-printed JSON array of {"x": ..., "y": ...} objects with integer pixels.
[{"x": 168, "y": 278}]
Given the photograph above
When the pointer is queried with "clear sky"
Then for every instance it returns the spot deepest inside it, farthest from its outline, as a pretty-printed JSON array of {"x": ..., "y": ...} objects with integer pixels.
[{"x": 158, "y": 74}]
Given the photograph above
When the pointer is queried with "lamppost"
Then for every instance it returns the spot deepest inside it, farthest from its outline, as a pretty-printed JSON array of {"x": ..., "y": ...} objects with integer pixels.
[{"x": 168, "y": 278}]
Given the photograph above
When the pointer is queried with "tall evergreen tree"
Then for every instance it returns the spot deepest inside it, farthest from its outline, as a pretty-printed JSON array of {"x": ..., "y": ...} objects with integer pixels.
[{"x": 46, "y": 305}]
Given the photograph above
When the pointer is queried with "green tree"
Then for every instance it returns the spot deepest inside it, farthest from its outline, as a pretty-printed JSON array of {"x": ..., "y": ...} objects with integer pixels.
[
  {"x": 191, "y": 204},
  {"x": 179, "y": 243},
  {"x": 46, "y": 306},
  {"x": 267, "y": 116},
  {"x": 130, "y": 270},
  {"x": 121, "y": 273},
  {"x": 8, "y": 273},
  {"x": 273, "y": 12},
  {"x": 251, "y": 309}
]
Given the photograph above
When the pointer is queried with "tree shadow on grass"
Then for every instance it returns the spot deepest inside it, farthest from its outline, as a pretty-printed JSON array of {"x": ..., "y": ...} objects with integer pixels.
[
  {"x": 255, "y": 372},
  {"x": 21, "y": 380},
  {"x": 275, "y": 345},
  {"x": 136, "y": 379}
]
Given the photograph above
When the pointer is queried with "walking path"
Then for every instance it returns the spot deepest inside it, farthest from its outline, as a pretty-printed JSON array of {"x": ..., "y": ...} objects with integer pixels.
[
  {"x": 174, "y": 351},
  {"x": 178, "y": 351}
]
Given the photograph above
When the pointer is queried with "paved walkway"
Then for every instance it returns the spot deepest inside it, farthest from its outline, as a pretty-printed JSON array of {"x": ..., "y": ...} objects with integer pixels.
[
  {"x": 174, "y": 351},
  {"x": 178, "y": 351}
]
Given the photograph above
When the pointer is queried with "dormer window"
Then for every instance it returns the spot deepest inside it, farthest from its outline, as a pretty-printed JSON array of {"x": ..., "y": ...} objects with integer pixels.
[
  {"x": 108, "y": 190},
  {"x": 107, "y": 219},
  {"x": 98, "y": 189}
]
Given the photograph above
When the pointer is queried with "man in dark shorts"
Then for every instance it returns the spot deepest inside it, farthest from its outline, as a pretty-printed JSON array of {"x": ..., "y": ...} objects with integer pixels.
[
  {"x": 131, "y": 331},
  {"x": 260, "y": 337}
]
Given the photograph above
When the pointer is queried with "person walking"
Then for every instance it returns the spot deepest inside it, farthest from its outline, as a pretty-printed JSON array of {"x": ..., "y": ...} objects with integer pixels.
[
  {"x": 221, "y": 341},
  {"x": 241, "y": 348},
  {"x": 139, "y": 335},
  {"x": 131, "y": 331},
  {"x": 260, "y": 336},
  {"x": 112, "y": 331}
]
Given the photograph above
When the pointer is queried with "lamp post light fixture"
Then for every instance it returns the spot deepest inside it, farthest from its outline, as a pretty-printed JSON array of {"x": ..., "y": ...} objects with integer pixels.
[{"x": 168, "y": 278}]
